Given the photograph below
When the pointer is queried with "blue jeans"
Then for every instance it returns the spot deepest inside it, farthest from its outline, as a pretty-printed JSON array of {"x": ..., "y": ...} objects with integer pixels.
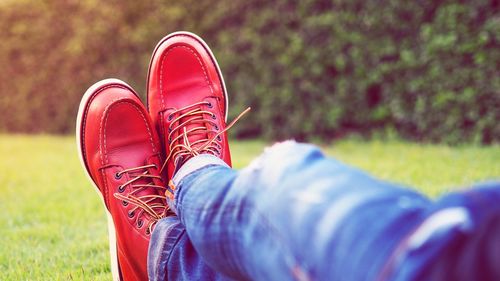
[{"x": 294, "y": 214}]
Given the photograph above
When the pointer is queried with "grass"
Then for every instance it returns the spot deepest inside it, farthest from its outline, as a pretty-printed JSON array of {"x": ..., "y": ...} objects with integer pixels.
[{"x": 53, "y": 226}]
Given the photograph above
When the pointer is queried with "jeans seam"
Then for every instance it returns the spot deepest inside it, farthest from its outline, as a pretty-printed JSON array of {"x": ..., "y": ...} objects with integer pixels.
[{"x": 166, "y": 244}]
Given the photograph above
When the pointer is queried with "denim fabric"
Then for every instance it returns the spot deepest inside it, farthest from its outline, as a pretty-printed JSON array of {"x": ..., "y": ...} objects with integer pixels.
[
  {"x": 459, "y": 240},
  {"x": 294, "y": 214},
  {"x": 171, "y": 255}
]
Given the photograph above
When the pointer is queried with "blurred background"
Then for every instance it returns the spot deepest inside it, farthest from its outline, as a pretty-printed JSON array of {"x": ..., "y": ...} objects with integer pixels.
[{"x": 425, "y": 70}]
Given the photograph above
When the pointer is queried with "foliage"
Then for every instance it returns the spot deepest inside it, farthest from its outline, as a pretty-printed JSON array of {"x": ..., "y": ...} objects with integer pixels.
[{"x": 427, "y": 70}]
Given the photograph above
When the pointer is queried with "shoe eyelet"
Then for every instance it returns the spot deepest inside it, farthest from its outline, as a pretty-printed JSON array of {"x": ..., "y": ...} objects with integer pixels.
[
  {"x": 170, "y": 117},
  {"x": 214, "y": 116},
  {"x": 169, "y": 129},
  {"x": 118, "y": 175},
  {"x": 147, "y": 232},
  {"x": 125, "y": 203},
  {"x": 219, "y": 138},
  {"x": 139, "y": 223},
  {"x": 216, "y": 127},
  {"x": 131, "y": 214},
  {"x": 210, "y": 105},
  {"x": 121, "y": 188}
]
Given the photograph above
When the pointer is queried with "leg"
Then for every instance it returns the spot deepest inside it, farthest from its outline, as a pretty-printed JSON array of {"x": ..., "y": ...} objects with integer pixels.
[
  {"x": 171, "y": 255},
  {"x": 293, "y": 214},
  {"x": 459, "y": 240},
  {"x": 289, "y": 212}
]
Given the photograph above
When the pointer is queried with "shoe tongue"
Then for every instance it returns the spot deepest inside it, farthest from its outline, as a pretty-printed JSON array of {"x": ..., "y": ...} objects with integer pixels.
[
  {"x": 133, "y": 157},
  {"x": 139, "y": 186},
  {"x": 194, "y": 136},
  {"x": 143, "y": 181}
]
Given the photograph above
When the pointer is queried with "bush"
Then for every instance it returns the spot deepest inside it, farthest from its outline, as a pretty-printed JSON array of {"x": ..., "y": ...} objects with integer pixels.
[{"x": 310, "y": 69}]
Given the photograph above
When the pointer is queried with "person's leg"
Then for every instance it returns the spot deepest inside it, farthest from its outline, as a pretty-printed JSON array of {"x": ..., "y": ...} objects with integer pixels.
[
  {"x": 171, "y": 255},
  {"x": 293, "y": 214},
  {"x": 458, "y": 240}
]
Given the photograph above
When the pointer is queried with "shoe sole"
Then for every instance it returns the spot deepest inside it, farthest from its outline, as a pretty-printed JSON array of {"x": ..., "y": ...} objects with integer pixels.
[
  {"x": 209, "y": 51},
  {"x": 115, "y": 268}
]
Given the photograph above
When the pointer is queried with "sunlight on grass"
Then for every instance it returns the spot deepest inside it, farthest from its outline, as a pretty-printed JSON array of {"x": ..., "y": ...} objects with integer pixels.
[{"x": 53, "y": 224}]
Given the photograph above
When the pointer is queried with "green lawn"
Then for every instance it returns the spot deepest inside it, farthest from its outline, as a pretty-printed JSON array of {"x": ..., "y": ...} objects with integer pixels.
[{"x": 53, "y": 226}]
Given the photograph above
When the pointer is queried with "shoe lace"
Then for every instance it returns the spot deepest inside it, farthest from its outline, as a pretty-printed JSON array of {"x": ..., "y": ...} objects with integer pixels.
[
  {"x": 151, "y": 204},
  {"x": 194, "y": 117}
]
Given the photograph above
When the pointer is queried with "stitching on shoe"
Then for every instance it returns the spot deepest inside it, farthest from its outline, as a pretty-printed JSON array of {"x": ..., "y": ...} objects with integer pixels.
[
  {"x": 87, "y": 108},
  {"x": 171, "y": 245},
  {"x": 105, "y": 117},
  {"x": 203, "y": 67},
  {"x": 213, "y": 60},
  {"x": 106, "y": 188}
]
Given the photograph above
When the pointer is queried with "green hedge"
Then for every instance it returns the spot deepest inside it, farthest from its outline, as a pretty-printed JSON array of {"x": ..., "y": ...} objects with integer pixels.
[{"x": 426, "y": 70}]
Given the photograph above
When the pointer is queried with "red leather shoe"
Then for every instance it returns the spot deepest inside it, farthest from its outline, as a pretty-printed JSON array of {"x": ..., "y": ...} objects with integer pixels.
[
  {"x": 120, "y": 152},
  {"x": 187, "y": 99}
]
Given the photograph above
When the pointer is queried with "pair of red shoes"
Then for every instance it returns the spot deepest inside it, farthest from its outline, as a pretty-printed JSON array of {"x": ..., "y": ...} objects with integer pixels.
[{"x": 130, "y": 152}]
